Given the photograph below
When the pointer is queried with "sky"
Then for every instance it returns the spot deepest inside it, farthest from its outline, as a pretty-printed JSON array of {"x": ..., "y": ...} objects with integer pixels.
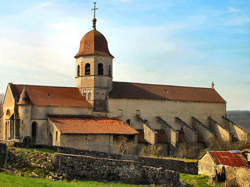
[{"x": 173, "y": 42}]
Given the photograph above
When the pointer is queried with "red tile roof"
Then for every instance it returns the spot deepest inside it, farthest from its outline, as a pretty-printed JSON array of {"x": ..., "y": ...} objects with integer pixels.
[
  {"x": 228, "y": 158},
  {"x": 77, "y": 125},
  {"x": 131, "y": 90},
  {"x": 52, "y": 96}
]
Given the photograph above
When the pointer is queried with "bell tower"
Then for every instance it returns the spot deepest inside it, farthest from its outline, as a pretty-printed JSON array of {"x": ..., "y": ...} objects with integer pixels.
[{"x": 94, "y": 68}]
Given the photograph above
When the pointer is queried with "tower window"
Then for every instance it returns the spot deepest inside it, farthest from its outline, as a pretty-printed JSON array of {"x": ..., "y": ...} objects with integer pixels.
[
  {"x": 110, "y": 71},
  {"x": 78, "y": 70},
  {"x": 87, "y": 69},
  {"x": 100, "y": 69}
]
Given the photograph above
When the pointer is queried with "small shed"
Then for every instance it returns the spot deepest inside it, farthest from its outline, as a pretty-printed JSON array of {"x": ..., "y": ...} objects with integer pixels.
[{"x": 214, "y": 161}]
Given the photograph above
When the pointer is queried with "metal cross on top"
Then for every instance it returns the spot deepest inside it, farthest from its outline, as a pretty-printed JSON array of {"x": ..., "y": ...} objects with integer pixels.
[{"x": 94, "y": 9}]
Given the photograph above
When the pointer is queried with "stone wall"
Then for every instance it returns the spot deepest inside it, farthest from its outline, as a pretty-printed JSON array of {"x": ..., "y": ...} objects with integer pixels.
[
  {"x": 238, "y": 175},
  {"x": 79, "y": 166},
  {"x": 170, "y": 164},
  {"x": 168, "y": 110}
]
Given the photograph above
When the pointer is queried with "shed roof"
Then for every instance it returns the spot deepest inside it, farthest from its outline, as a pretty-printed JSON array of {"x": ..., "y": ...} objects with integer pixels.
[
  {"x": 228, "y": 158},
  {"x": 90, "y": 125}
]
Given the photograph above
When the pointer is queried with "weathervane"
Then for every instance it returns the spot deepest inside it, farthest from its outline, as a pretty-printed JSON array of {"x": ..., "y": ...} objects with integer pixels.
[{"x": 94, "y": 19}]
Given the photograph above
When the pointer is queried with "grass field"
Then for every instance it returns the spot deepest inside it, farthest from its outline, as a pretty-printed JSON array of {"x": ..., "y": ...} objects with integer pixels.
[{"x": 7, "y": 180}]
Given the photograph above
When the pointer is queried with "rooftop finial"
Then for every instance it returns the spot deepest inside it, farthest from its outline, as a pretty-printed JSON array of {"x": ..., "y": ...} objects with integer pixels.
[{"x": 94, "y": 19}]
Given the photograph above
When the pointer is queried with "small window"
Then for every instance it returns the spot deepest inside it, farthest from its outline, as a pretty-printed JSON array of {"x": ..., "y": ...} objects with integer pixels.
[
  {"x": 110, "y": 70},
  {"x": 128, "y": 121},
  {"x": 78, "y": 70},
  {"x": 87, "y": 69},
  {"x": 56, "y": 135},
  {"x": 100, "y": 69}
]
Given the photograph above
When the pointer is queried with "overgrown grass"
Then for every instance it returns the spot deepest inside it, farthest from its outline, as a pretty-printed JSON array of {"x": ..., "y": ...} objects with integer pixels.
[
  {"x": 7, "y": 180},
  {"x": 42, "y": 150},
  {"x": 195, "y": 180}
]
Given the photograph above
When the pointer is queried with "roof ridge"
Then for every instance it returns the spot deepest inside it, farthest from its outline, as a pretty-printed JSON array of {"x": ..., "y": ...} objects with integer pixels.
[
  {"x": 43, "y": 86},
  {"x": 153, "y": 84}
]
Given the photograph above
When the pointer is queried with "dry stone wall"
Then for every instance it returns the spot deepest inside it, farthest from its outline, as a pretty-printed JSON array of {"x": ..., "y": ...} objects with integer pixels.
[
  {"x": 168, "y": 164},
  {"x": 79, "y": 166}
]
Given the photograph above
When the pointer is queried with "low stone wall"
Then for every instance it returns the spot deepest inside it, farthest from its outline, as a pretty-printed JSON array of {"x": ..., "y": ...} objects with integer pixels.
[
  {"x": 79, "y": 166},
  {"x": 2, "y": 153},
  {"x": 168, "y": 164},
  {"x": 175, "y": 165}
]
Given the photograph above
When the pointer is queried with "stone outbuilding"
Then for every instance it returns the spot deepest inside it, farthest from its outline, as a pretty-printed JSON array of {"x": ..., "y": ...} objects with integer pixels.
[
  {"x": 95, "y": 134},
  {"x": 213, "y": 163}
]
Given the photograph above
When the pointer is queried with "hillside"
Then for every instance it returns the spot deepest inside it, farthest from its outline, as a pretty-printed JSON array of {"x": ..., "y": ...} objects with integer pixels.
[{"x": 242, "y": 118}]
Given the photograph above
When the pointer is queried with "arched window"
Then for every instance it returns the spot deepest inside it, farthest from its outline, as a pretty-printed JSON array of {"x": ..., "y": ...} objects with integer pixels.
[
  {"x": 100, "y": 69},
  {"x": 56, "y": 135},
  {"x": 110, "y": 70},
  {"x": 87, "y": 69},
  {"x": 78, "y": 70},
  {"x": 33, "y": 131}
]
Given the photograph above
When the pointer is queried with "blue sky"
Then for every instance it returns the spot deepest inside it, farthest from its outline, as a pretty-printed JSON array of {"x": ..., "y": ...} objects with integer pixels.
[{"x": 176, "y": 42}]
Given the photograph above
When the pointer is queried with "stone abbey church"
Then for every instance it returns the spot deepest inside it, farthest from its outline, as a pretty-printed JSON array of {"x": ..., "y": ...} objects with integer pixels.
[{"x": 98, "y": 114}]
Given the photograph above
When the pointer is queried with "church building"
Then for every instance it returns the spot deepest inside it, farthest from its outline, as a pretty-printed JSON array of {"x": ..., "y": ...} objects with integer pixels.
[{"x": 99, "y": 114}]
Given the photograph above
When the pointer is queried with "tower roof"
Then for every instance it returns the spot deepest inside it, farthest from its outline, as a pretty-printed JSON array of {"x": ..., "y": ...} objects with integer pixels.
[
  {"x": 93, "y": 43},
  {"x": 24, "y": 98}
]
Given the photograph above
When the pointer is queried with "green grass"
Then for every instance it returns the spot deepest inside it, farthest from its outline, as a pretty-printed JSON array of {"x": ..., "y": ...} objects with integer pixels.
[
  {"x": 42, "y": 150},
  {"x": 173, "y": 158},
  {"x": 7, "y": 180},
  {"x": 195, "y": 180}
]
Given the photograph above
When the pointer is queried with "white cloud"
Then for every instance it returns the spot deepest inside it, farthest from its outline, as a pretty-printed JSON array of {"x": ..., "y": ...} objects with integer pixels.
[
  {"x": 233, "y": 10},
  {"x": 37, "y": 7}
]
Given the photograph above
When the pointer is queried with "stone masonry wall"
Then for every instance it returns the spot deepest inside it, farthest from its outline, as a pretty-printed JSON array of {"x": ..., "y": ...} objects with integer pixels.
[
  {"x": 79, "y": 166},
  {"x": 238, "y": 175},
  {"x": 168, "y": 164}
]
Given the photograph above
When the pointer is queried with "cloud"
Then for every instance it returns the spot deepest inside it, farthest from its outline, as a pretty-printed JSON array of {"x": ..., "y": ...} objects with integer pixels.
[
  {"x": 37, "y": 7},
  {"x": 233, "y": 10}
]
